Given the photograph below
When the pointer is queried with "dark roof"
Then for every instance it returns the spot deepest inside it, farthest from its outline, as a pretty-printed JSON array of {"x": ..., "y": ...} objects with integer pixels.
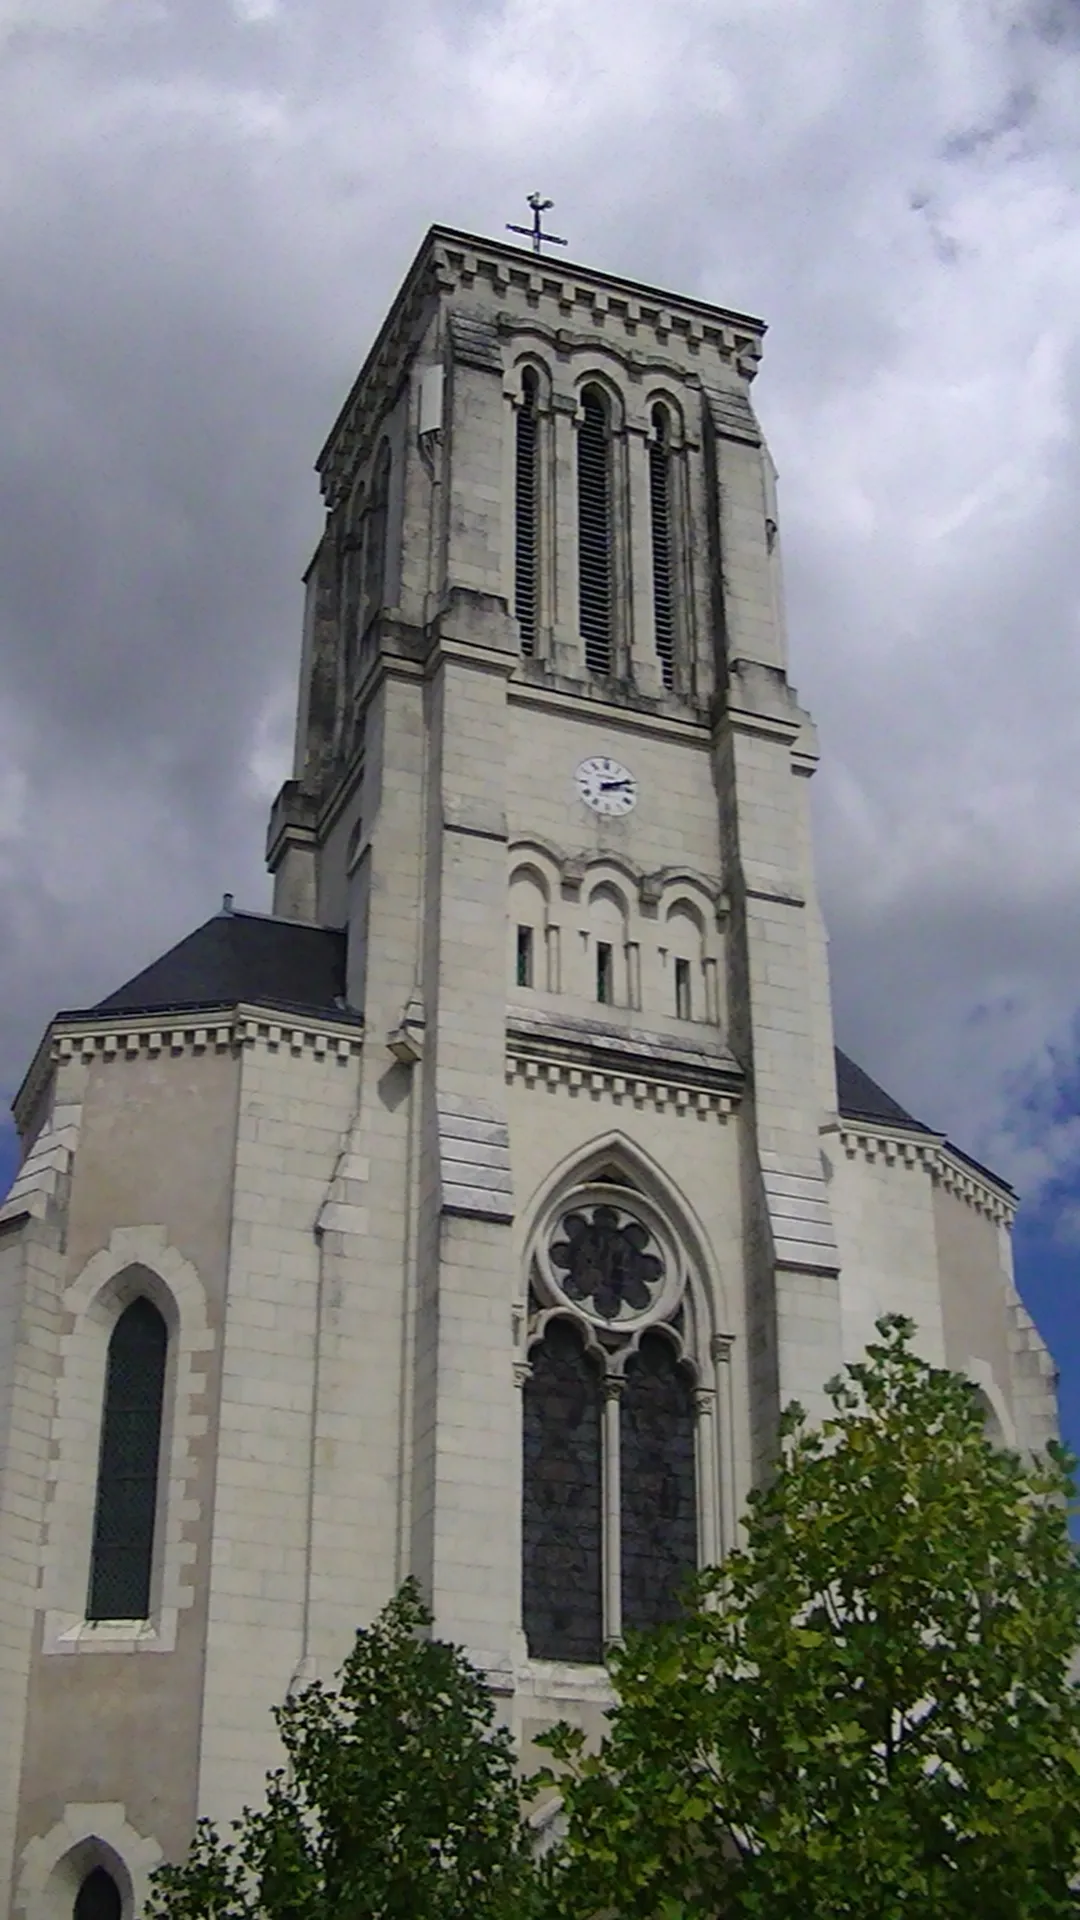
[
  {"x": 242, "y": 956},
  {"x": 254, "y": 957},
  {"x": 860, "y": 1098}
]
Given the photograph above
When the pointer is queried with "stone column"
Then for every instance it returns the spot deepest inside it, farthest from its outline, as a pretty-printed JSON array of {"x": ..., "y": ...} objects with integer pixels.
[{"x": 612, "y": 1515}]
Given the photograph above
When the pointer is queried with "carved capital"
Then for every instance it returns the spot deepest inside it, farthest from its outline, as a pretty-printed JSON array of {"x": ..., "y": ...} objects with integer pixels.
[{"x": 720, "y": 1346}]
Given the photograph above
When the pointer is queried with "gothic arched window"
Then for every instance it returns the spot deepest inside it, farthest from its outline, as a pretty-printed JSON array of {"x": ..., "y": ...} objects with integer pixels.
[
  {"x": 658, "y": 1494},
  {"x": 562, "y": 1503},
  {"x": 126, "y": 1510},
  {"x": 526, "y": 513},
  {"x": 660, "y": 479},
  {"x": 595, "y": 556},
  {"x": 610, "y": 1504},
  {"x": 98, "y": 1898}
]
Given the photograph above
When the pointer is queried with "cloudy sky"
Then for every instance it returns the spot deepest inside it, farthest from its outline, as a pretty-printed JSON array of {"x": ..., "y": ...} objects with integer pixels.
[{"x": 204, "y": 209}]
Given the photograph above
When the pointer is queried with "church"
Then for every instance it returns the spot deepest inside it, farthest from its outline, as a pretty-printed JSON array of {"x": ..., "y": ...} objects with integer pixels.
[{"x": 475, "y": 1212}]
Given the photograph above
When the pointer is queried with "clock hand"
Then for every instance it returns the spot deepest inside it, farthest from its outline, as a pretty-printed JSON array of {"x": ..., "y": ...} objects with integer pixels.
[{"x": 614, "y": 786}]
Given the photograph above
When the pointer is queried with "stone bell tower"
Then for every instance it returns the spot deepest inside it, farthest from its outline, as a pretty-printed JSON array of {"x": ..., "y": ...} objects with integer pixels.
[{"x": 544, "y": 686}]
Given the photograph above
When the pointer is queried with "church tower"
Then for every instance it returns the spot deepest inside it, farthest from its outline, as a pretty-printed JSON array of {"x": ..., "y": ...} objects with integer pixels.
[
  {"x": 474, "y": 1213},
  {"x": 552, "y": 776}
]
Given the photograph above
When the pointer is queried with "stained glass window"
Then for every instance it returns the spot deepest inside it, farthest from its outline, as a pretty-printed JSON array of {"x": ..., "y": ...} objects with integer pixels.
[
  {"x": 128, "y": 1466},
  {"x": 98, "y": 1898},
  {"x": 658, "y": 1492},
  {"x": 561, "y": 1523},
  {"x": 606, "y": 1263}
]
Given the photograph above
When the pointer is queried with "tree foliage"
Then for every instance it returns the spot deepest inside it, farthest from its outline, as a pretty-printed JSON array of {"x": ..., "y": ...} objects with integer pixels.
[
  {"x": 399, "y": 1801},
  {"x": 868, "y": 1712}
]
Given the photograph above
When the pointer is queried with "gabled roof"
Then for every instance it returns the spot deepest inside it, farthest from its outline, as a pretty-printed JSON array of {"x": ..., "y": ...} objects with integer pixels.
[{"x": 243, "y": 957}]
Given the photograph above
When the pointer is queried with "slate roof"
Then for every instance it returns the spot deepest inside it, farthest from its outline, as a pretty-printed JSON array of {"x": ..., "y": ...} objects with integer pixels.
[
  {"x": 243, "y": 957},
  {"x": 253, "y": 957},
  {"x": 860, "y": 1098}
]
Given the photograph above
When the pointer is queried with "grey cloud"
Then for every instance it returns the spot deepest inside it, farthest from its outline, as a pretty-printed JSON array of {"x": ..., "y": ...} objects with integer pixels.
[
  {"x": 202, "y": 217},
  {"x": 1012, "y": 116}
]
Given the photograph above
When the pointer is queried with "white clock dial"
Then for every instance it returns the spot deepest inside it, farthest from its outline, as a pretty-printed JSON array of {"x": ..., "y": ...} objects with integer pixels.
[{"x": 606, "y": 786}]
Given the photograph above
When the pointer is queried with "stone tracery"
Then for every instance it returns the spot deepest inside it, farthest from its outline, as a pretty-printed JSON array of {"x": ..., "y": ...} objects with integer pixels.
[{"x": 610, "y": 1423}]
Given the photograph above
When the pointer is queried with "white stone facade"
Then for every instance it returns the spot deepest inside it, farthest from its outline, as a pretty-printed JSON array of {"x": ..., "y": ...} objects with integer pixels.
[{"x": 341, "y": 1203}]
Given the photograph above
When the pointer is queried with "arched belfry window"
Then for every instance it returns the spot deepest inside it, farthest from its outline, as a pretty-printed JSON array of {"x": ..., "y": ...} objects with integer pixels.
[
  {"x": 660, "y": 504},
  {"x": 526, "y": 512},
  {"x": 126, "y": 1510},
  {"x": 375, "y": 536},
  {"x": 610, "y": 1469},
  {"x": 595, "y": 554},
  {"x": 98, "y": 1898}
]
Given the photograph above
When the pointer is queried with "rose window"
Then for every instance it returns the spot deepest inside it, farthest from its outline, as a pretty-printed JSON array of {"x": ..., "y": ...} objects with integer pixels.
[{"x": 606, "y": 1261}]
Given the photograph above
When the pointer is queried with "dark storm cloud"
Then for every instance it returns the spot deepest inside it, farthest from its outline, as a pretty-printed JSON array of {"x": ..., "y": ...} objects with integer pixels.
[{"x": 203, "y": 211}]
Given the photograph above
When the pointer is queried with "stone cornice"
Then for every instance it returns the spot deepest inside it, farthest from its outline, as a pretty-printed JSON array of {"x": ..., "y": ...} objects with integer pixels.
[
  {"x": 466, "y": 258},
  {"x": 980, "y": 1190},
  {"x": 638, "y": 1069},
  {"x": 872, "y": 1141},
  {"x": 448, "y": 261},
  {"x": 214, "y": 1029}
]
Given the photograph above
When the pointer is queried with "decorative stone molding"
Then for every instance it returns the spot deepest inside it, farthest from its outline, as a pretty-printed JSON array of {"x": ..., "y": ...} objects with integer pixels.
[
  {"x": 635, "y": 1089},
  {"x": 800, "y": 1217},
  {"x": 137, "y": 1260},
  {"x": 572, "y": 870},
  {"x": 873, "y": 1143},
  {"x": 956, "y": 1176},
  {"x": 474, "y": 1159},
  {"x": 735, "y": 338},
  {"x": 474, "y": 341},
  {"x": 946, "y": 1167},
  {"x": 46, "y": 1166},
  {"x": 732, "y": 415},
  {"x": 213, "y": 1032},
  {"x": 90, "y": 1834}
]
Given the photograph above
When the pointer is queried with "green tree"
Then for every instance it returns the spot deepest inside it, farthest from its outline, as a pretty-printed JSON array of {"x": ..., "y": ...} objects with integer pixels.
[
  {"x": 867, "y": 1714},
  {"x": 400, "y": 1800}
]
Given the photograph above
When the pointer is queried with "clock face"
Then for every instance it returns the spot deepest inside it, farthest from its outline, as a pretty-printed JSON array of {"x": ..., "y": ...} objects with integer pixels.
[{"x": 606, "y": 786}]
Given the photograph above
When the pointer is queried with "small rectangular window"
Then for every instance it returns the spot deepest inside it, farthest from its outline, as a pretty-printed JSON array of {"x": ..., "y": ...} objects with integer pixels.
[
  {"x": 524, "y": 956},
  {"x": 682, "y": 989},
  {"x": 605, "y": 973}
]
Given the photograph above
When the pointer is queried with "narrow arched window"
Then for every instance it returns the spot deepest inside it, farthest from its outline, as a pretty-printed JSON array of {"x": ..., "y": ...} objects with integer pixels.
[
  {"x": 660, "y": 477},
  {"x": 562, "y": 1601},
  {"x": 126, "y": 1508},
  {"x": 526, "y": 513},
  {"x": 98, "y": 1898},
  {"x": 595, "y": 595},
  {"x": 658, "y": 1484},
  {"x": 375, "y": 536}
]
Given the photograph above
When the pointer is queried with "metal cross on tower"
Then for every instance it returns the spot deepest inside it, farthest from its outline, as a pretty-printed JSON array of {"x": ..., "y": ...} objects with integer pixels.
[{"x": 536, "y": 232}]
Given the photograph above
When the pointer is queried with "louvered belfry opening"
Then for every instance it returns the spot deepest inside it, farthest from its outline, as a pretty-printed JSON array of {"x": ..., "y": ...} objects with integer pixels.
[
  {"x": 526, "y": 514},
  {"x": 375, "y": 535},
  {"x": 594, "y": 532},
  {"x": 124, "y": 1518},
  {"x": 660, "y": 503}
]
